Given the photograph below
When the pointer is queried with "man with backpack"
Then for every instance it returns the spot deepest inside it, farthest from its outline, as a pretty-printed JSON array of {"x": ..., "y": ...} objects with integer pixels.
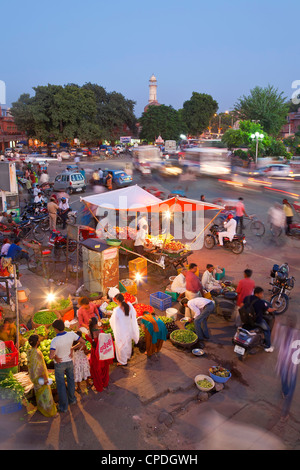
[{"x": 255, "y": 306}]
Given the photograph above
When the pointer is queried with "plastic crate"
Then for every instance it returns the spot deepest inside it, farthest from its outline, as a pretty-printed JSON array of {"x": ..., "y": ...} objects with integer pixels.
[
  {"x": 137, "y": 265},
  {"x": 10, "y": 408},
  {"x": 160, "y": 300},
  {"x": 174, "y": 295},
  {"x": 11, "y": 360}
]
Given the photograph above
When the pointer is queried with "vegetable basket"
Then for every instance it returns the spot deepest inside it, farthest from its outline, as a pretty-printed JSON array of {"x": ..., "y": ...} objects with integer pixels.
[
  {"x": 190, "y": 342},
  {"x": 36, "y": 325}
]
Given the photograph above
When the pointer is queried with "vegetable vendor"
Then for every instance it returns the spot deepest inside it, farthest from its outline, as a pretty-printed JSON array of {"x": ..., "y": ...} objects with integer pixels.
[
  {"x": 86, "y": 311},
  {"x": 155, "y": 333},
  {"x": 200, "y": 309}
]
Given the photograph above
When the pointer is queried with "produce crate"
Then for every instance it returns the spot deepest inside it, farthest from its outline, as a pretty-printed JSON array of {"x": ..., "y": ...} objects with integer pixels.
[
  {"x": 219, "y": 276},
  {"x": 10, "y": 408},
  {"x": 137, "y": 265},
  {"x": 174, "y": 295},
  {"x": 11, "y": 360},
  {"x": 160, "y": 300},
  {"x": 132, "y": 288}
]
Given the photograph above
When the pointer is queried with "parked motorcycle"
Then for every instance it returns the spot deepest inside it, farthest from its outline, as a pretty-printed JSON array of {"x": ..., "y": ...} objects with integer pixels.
[
  {"x": 71, "y": 219},
  {"x": 249, "y": 338},
  {"x": 236, "y": 245},
  {"x": 225, "y": 303},
  {"x": 59, "y": 243},
  {"x": 282, "y": 285}
]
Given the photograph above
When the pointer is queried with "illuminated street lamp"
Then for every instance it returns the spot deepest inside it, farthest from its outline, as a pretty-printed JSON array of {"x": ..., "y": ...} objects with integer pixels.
[{"x": 258, "y": 137}]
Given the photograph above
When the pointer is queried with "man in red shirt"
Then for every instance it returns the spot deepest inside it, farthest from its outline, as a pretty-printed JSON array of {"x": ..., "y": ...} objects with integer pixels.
[
  {"x": 86, "y": 311},
  {"x": 244, "y": 288},
  {"x": 193, "y": 284}
]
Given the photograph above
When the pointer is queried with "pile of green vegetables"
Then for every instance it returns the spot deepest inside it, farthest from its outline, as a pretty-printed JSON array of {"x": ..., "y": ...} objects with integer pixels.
[
  {"x": 169, "y": 323},
  {"x": 45, "y": 317},
  {"x": 111, "y": 306},
  {"x": 61, "y": 304},
  {"x": 184, "y": 336},
  {"x": 11, "y": 389}
]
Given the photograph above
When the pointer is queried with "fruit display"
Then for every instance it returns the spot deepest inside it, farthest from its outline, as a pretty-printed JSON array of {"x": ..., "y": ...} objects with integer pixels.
[
  {"x": 23, "y": 354},
  {"x": 45, "y": 348},
  {"x": 204, "y": 383},
  {"x": 184, "y": 336},
  {"x": 129, "y": 297},
  {"x": 219, "y": 371},
  {"x": 142, "y": 308},
  {"x": 44, "y": 317},
  {"x": 111, "y": 306},
  {"x": 174, "y": 246}
]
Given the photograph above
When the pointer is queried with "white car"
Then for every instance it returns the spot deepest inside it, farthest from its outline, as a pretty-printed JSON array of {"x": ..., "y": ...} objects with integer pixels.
[
  {"x": 64, "y": 155},
  {"x": 275, "y": 170}
]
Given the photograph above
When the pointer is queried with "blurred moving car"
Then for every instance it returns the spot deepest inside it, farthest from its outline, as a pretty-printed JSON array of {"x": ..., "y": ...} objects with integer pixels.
[
  {"x": 170, "y": 169},
  {"x": 120, "y": 178},
  {"x": 276, "y": 169}
]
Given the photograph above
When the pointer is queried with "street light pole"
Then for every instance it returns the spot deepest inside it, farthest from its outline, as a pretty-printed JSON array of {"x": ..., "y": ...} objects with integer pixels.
[{"x": 257, "y": 136}]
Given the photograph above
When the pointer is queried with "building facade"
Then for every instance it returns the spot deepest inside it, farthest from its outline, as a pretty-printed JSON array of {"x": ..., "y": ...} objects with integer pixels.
[{"x": 9, "y": 133}]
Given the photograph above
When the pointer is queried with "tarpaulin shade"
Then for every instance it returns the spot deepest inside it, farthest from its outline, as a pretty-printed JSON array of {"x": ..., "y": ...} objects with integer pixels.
[
  {"x": 136, "y": 199},
  {"x": 131, "y": 198}
]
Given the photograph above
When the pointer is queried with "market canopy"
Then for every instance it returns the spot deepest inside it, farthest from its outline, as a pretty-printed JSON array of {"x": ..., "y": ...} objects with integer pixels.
[
  {"x": 129, "y": 198},
  {"x": 134, "y": 198}
]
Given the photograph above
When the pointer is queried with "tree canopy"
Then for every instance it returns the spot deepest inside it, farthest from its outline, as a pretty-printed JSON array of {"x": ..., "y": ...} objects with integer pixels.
[
  {"x": 197, "y": 112},
  {"x": 267, "y": 105},
  {"x": 88, "y": 113},
  {"x": 161, "y": 120}
]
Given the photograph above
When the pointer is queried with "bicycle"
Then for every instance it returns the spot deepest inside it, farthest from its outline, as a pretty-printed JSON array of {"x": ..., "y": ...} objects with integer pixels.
[{"x": 255, "y": 225}]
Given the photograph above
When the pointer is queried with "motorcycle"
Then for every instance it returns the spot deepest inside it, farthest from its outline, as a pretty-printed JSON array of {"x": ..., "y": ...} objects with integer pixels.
[
  {"x": 71, "y": 219},
  {"x": 281, "y": 287},
  {"x": 249, "y": 338},
  {"x": 225, "y": 301},
  {"x": 236, "y": 245},
  {"x": 59, "y": 243}
]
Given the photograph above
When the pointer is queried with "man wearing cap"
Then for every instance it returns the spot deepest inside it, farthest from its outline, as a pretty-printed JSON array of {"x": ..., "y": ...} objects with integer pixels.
[
  {"x": 230, "y": 226},
  {"x": 52, "y": 208}
]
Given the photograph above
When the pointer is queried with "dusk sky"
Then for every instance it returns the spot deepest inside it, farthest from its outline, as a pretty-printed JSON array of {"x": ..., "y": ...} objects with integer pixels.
[{"x": 223, "y": 48}]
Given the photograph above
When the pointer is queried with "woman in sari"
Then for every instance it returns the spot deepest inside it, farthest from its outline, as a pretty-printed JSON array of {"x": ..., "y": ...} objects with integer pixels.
[
  {"x": 99, "y": 368},
  {"x": 109, "y": 181},
  {"x": 125, "y": 327},
  {"x": 155, "y": 333},
  {"x": 37, "y": 369}
]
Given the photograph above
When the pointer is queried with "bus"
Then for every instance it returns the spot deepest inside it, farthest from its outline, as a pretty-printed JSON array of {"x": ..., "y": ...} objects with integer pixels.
[{"x": 208, "y": 158}]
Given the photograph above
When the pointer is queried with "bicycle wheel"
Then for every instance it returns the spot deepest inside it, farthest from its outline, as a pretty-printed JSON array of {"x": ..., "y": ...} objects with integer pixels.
[
  {"x": 257, "y": 228},
  {"x": 38, "y": 233},
  {"x": 45, "y": 224}
]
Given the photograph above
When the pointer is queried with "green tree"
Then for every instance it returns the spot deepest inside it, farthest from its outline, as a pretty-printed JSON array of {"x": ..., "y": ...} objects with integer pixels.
[
  {"x": 197, "y": 112},
  {"x": 266, "y": 105},
  {"x": 161, "y": 120},
  {"x": 114, "y": 112}
]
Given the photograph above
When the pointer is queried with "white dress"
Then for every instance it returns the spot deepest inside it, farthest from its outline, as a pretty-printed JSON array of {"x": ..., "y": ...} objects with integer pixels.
[
  {"x": 125, "y": 330},
  {"x": 81, "y": 366}
]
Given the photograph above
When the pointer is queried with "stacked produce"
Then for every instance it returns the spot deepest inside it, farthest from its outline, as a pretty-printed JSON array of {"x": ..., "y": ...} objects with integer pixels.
[
  {"x": 219, "y": 371},
  {"x": 129, "y": 297},
  {"x": 142, "y": 308},
  {"x": 174, "y": 246},
  {"x": 61, "y": 304},
  {"x": 45, "y": 348},
  {"x": 170, "y": 324},
  {"x": 11, "y": 389},
  {"x": 190, "y": 326},
  {"x": 45, "y": 317},
  {"x": 124, "y": 232}
]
